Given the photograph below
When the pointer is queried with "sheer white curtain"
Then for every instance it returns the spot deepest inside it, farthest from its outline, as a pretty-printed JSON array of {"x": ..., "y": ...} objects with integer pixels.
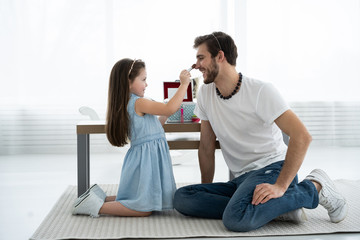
[
  {"x": 53, "y": 52},
  {"x": 309, "y": 49},
  {"x": 60, "y": 52}
]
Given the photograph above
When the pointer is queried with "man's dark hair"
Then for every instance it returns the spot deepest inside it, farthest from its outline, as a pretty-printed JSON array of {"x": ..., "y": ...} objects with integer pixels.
[{"x": 217, "y": 41}]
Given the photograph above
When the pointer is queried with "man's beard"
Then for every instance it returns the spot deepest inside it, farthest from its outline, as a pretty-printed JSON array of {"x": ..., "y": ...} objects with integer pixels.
[{"x": 212, "y": 73}]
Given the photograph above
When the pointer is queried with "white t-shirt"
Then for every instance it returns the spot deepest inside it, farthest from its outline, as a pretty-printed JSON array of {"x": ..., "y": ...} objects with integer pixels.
[{"x": 244, "y": 124}]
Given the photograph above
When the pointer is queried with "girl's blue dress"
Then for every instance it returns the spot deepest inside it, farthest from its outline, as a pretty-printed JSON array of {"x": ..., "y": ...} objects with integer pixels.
[{"x": 147, "y": 181}]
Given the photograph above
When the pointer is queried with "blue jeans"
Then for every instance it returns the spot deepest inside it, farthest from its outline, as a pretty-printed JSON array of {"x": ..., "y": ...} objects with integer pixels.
[{"x": 231, "y": 201}]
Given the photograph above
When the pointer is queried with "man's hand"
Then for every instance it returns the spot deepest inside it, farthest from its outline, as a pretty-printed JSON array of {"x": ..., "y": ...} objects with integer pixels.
[{"x": 265, "y": 191}]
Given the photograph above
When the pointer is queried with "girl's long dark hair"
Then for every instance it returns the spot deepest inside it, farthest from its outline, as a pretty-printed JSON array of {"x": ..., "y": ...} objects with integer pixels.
[{"x": 117, "y": 117}]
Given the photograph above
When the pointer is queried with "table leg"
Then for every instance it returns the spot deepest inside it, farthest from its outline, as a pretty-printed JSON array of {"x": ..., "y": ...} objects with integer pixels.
[{"x": 83, "y": 162}]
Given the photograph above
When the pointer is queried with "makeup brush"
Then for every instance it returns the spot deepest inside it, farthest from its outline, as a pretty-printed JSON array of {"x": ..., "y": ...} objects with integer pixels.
[
  {"x": 192, "y": 67},
  {"x": 189, "y": 69}
]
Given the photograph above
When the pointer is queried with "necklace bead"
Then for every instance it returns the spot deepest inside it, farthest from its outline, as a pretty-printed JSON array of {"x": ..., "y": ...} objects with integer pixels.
[{"x": 233, "y": 92}]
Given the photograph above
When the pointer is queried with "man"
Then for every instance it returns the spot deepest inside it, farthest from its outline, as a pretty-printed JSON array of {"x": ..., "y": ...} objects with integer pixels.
[{"x": 247, "y": 117}]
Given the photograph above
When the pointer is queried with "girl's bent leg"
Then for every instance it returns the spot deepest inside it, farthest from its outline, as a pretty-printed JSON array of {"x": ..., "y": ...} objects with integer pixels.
[
  {"x": 117, "y": 209},
  {"x": 204, "y": 200}
]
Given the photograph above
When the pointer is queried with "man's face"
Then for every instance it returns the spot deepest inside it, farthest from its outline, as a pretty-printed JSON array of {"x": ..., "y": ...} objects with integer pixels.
[{"x": 206, "y": 64}]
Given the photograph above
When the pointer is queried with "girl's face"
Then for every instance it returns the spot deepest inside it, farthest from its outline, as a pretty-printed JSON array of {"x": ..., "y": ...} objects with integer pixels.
[{"x": 139, "y": 84}]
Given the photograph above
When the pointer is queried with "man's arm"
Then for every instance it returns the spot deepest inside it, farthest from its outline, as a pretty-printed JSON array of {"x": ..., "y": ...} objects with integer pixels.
[
  {"x": 299, "y": 142},
  {"x": 206, "y": 152}
]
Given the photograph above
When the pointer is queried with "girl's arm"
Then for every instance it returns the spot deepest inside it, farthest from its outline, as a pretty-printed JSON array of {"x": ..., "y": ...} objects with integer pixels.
[{"x": 145, "y": 106}]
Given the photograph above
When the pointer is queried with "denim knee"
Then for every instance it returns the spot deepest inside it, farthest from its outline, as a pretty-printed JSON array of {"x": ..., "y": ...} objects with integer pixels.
[
  {"x": 179, "y": 200},
  {"x": 237, "y": 222}
]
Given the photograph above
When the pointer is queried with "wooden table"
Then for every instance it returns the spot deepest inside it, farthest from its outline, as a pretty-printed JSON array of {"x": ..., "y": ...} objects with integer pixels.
[{"x": 84, "y": 129}]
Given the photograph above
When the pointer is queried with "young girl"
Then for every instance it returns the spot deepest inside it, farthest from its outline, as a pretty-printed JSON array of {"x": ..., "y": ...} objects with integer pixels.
[{"x": 147, "y": 182}]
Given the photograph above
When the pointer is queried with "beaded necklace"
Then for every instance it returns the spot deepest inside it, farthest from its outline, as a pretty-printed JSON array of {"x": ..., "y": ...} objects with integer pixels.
[{"x": 233, "y": 92}]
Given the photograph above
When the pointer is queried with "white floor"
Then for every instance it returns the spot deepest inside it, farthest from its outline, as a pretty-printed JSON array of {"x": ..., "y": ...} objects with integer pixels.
[{"x": 31, "y": 184}]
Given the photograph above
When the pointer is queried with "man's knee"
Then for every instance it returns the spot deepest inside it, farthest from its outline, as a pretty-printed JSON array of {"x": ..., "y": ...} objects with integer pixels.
[
  {"x": 180, "y": 200},
  {"x": 238, "y": 222}
]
